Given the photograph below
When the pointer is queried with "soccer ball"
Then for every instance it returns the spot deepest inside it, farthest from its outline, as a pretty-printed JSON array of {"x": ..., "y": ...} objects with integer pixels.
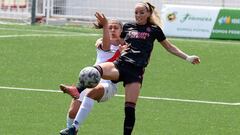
[{"x": 89, "y": 77}]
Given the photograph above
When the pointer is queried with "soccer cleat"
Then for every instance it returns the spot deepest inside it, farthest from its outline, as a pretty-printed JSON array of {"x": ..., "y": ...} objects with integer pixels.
[
  {"x": 64, "y": 131},
  {"x": 69, "y": 131},
  {"x": 70, "y": 90}
]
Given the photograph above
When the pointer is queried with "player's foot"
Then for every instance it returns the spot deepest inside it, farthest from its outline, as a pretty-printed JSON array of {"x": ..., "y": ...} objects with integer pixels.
[
  {"x": 64, "y": 131},
  {"x": 70, "y": 90},
  {"x": 69, "y": 131}
]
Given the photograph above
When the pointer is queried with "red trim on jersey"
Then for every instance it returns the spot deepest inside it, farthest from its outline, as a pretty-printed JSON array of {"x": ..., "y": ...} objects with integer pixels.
[{"x": 114, "y": 57}]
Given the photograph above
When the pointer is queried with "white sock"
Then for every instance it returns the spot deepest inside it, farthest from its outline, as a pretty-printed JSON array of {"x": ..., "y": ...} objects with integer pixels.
[
  {"x": 69, "y": 122},
  {"x": 84, "y": 110}
]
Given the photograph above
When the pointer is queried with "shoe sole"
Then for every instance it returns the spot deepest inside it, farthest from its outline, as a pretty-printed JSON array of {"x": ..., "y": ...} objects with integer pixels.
[{"x": 64, "y": 89}]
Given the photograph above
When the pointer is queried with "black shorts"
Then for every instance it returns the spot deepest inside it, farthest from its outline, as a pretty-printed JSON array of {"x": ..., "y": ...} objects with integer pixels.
[{"x": 128, "y": 73}]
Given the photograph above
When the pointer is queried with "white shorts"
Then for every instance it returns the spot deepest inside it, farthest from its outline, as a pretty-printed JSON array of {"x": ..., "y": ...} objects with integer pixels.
[{"x": 110, "y": 89}]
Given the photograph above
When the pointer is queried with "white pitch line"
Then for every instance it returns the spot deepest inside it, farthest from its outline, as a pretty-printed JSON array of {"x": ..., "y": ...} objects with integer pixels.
[
  {"x": 94, "y": 34},
  {"x": 29, "y": 89},
  {"x": 142, "y": 97},
  {"x": 36, "y": 30},
  {"x": 207, "y": 41}
]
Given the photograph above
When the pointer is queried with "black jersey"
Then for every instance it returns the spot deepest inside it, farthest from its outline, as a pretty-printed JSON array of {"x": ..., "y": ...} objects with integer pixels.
[{"x": 141, "y": 39}]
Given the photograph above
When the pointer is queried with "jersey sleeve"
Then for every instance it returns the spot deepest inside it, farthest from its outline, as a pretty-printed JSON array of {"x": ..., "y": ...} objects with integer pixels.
[
  {"x": 160, "y": 36},
  {"x": 99, "y": 45}
]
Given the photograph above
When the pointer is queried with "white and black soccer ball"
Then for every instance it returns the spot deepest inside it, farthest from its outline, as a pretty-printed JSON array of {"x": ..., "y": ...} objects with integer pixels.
[{"x": 89, "y": 77}]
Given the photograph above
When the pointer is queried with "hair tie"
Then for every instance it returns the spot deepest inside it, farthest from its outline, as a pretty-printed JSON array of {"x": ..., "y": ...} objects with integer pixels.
[{"x": 151, "y": 7}]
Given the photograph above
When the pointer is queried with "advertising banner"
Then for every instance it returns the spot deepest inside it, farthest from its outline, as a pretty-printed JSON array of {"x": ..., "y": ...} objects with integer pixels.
[
  {"x": 189, "y": 21},
  {"x": 227, "y": 25}
]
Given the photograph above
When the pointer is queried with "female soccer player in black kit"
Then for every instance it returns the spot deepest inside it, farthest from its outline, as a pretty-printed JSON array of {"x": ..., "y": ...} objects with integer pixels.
[{"x": 130, "y": 66}]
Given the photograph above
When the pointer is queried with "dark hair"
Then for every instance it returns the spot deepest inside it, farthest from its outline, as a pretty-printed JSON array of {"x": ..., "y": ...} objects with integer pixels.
[{"x": 97, "y": 25}]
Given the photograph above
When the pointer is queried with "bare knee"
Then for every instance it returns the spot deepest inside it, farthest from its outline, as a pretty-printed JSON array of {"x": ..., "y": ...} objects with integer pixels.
[
  {"x": 96, "y": 93},
  {"x": 109, "y": 71},
  {"x": 132, "y": 92}
]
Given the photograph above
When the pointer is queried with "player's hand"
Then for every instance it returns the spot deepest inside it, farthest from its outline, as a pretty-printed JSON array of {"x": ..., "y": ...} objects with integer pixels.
[
  {"x": 123, "y": 47},
  {"x": 193, "y": 59},
  {"x": 101, "y": 19}
]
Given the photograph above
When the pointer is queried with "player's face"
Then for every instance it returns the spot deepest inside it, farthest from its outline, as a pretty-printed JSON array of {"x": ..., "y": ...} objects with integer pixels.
[
  {"x": 141, "y": 14},
  {"x": 114, "y": 30}
]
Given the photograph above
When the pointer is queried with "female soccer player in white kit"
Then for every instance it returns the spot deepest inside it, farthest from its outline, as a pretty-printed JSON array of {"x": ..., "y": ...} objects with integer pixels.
[{"x": 108, "y": 50}]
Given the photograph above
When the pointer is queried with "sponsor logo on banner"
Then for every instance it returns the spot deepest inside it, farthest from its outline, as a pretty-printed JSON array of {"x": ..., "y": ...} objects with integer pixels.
[
  {"x": 228, "y": 20},
  {"x": 171, "y": 16},
  {"x": 227, "y": 25},
  {"x": 189, "y": 21},
  {"x": 189, "y": 17}
]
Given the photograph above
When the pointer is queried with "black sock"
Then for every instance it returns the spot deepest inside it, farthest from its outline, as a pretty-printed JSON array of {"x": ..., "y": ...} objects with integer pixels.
[
  {"x": 79, "y": 87},
  {"x": 129, "y": 118},
  {"x": 99, "y": 68}
]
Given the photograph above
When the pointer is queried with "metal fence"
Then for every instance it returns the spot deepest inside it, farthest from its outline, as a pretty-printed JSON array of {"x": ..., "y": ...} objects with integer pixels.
[{"x": 83, "y": 10}]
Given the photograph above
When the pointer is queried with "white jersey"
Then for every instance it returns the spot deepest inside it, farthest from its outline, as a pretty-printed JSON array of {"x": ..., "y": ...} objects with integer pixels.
[
  {"x": 110, "y": 89},
  {"x": 107, "y": 56}
]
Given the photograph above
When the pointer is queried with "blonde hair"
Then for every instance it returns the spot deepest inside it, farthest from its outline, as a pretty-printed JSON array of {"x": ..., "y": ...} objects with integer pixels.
[{"x": 155, "y": 16}]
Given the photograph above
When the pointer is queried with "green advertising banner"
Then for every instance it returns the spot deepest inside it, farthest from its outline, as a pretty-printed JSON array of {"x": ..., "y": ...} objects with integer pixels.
[{"x": 227, "y": 25}]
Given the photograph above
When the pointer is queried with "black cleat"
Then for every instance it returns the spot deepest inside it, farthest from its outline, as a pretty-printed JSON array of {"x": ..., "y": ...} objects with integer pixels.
[{"x": 69, "y": 131}]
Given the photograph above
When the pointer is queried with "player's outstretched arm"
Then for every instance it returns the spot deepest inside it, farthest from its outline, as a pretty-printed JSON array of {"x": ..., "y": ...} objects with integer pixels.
[
  {"x": 176, "y": 51},
  {"x": 102, "y": 20}
]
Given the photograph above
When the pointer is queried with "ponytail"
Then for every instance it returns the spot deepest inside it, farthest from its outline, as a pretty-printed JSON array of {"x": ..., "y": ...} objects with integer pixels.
[{"x": 155, "y": 17}]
